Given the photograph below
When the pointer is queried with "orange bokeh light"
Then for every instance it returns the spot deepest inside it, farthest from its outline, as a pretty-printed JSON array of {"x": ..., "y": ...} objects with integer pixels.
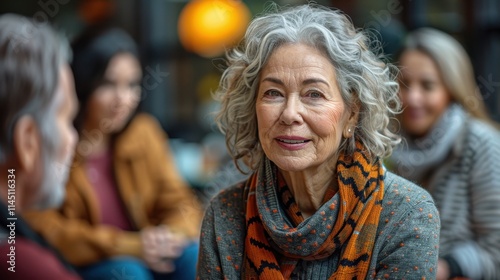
[{"x": 207, "y": 27}]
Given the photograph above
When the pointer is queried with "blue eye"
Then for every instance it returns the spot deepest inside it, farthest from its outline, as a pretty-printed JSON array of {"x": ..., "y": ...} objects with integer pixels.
[{"x": 315, "y": 94}]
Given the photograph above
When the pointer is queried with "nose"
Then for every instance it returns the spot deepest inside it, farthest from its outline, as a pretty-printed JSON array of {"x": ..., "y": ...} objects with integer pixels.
[
  {"x": 412, "y": 95},
  {"x": 292, "y": 111}
]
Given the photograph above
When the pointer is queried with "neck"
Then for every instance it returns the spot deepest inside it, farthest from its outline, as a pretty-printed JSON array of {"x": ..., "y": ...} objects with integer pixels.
[
  {"x": 309, "y": 187},
  {"x": 93, "y": 141}
]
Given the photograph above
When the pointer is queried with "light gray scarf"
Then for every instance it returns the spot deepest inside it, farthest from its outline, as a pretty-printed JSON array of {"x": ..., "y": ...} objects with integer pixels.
[{"x": 415, "y": 159}]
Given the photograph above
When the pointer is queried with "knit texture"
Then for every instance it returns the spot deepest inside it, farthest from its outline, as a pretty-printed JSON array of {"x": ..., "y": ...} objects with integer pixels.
[
  {"x": 466, "y": 188},
  {"x": 405, "y": 244}
]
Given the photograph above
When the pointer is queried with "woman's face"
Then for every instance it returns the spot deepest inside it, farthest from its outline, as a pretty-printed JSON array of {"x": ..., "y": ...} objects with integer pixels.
[
  {"x": 113, "y": 102},
  {"x": 300, "y": 112},
  {"x": 423, "y": 93}
]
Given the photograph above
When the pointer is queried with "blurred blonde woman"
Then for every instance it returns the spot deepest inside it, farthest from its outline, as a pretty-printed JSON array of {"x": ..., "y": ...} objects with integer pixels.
[{"x": 452, "y": 150}]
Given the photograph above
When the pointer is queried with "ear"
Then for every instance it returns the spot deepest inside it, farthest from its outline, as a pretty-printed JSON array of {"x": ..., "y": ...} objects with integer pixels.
[
  {"x": 26, "y": 142},
  {"x": 352, "y": 121}
]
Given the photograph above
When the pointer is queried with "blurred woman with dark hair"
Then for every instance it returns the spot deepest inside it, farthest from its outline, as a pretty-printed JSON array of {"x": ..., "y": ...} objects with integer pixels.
[{"x": 127, "y": 210}]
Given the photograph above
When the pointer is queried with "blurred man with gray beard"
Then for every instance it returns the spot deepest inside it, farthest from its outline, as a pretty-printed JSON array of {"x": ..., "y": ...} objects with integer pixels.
[{"x": 37, "y": 139}]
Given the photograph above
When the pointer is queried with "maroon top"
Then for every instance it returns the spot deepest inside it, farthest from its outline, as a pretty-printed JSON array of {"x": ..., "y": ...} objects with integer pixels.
[
  {"x": 100, "y": 174},
  {"x": 32, "y": 261}
]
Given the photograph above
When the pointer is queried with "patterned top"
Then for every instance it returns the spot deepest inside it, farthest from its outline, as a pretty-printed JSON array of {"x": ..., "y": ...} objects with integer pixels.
[{"x": 406, "y": 245}]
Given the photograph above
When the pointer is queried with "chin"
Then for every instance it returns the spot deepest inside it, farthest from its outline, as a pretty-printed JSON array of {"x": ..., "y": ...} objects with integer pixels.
[
  {"x": 119, "y": 124},
  {"x": 415, "y": 129},
  {"x": 416, "y": 133},
  {"x": 289, "y": 165},
  {"x": 115, "y": 127}
]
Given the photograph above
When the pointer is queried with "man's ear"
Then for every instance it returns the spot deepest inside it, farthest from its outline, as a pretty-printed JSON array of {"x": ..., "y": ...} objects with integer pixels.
[
  {"x": 26, "y": 143},
  {"x": 352, "y": 120}
]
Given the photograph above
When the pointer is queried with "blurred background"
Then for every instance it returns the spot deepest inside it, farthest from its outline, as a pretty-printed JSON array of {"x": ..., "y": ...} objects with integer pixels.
[{"x": 182, "y": 44}]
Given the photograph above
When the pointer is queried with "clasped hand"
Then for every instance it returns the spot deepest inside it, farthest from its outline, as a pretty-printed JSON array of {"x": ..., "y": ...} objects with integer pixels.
[{"x": 161, "y": 246}]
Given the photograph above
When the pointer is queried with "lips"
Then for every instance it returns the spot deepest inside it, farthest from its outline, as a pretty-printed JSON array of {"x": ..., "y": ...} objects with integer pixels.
[
  {"x": 292, "y": 143},
  {"x": 414, "y": 113}
]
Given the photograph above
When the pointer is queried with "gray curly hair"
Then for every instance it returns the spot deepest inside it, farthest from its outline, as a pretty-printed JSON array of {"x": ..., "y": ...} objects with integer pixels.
[{"x": 364, "y": 80}]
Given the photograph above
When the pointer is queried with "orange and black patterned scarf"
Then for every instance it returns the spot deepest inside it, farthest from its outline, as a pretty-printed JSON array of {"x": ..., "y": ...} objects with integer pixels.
[{"x": 277, "y": 239}]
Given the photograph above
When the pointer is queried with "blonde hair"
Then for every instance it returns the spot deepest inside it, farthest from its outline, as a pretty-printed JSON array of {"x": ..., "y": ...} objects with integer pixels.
[{"x": 454, "y": 66}]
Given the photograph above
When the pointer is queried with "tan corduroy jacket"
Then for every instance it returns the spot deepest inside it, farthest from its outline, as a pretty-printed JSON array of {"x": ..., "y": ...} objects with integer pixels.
[{"x": 151, "y": 189}]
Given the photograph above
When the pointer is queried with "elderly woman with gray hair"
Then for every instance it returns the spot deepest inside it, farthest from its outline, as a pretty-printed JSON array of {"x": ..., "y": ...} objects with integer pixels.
[
  {"x": 451, "y": 149},
  {"x": 306, "y": 107}
]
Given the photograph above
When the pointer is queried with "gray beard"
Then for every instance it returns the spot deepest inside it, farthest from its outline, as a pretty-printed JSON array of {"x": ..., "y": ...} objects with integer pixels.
[{"x": 52, "y": 190}]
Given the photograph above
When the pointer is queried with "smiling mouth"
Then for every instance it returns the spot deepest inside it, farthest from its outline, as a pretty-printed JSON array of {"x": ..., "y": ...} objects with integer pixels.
[{"x": 287, "y": 141}]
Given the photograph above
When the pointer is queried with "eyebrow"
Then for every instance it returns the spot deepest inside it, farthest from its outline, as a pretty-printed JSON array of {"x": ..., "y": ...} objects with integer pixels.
[{"x": 305, "y": 82}]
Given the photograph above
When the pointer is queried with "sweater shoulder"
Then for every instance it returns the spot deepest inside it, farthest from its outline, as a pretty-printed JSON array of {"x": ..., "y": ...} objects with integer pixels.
[
  {"x": 482, "y": 134},
  {"x": 481, "y": 144},
  {"x": 230, "y": 202},
  {"x": 143, "y": 123},
  {"x": 404, "y": 193},
  {"x": 406, "y": 203}
]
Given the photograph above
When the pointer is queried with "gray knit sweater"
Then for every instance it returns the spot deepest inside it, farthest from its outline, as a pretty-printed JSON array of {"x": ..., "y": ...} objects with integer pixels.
[
  {"x": 466, "y": 189},
  {"x": 460, "y": 167},
  {"x": 406, "y": 245}
]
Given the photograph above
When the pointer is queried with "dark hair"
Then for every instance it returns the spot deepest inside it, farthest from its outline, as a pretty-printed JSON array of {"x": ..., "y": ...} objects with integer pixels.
[
  {"x": 31, "y": 55},
  {"x": 92, "y": 52}
]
